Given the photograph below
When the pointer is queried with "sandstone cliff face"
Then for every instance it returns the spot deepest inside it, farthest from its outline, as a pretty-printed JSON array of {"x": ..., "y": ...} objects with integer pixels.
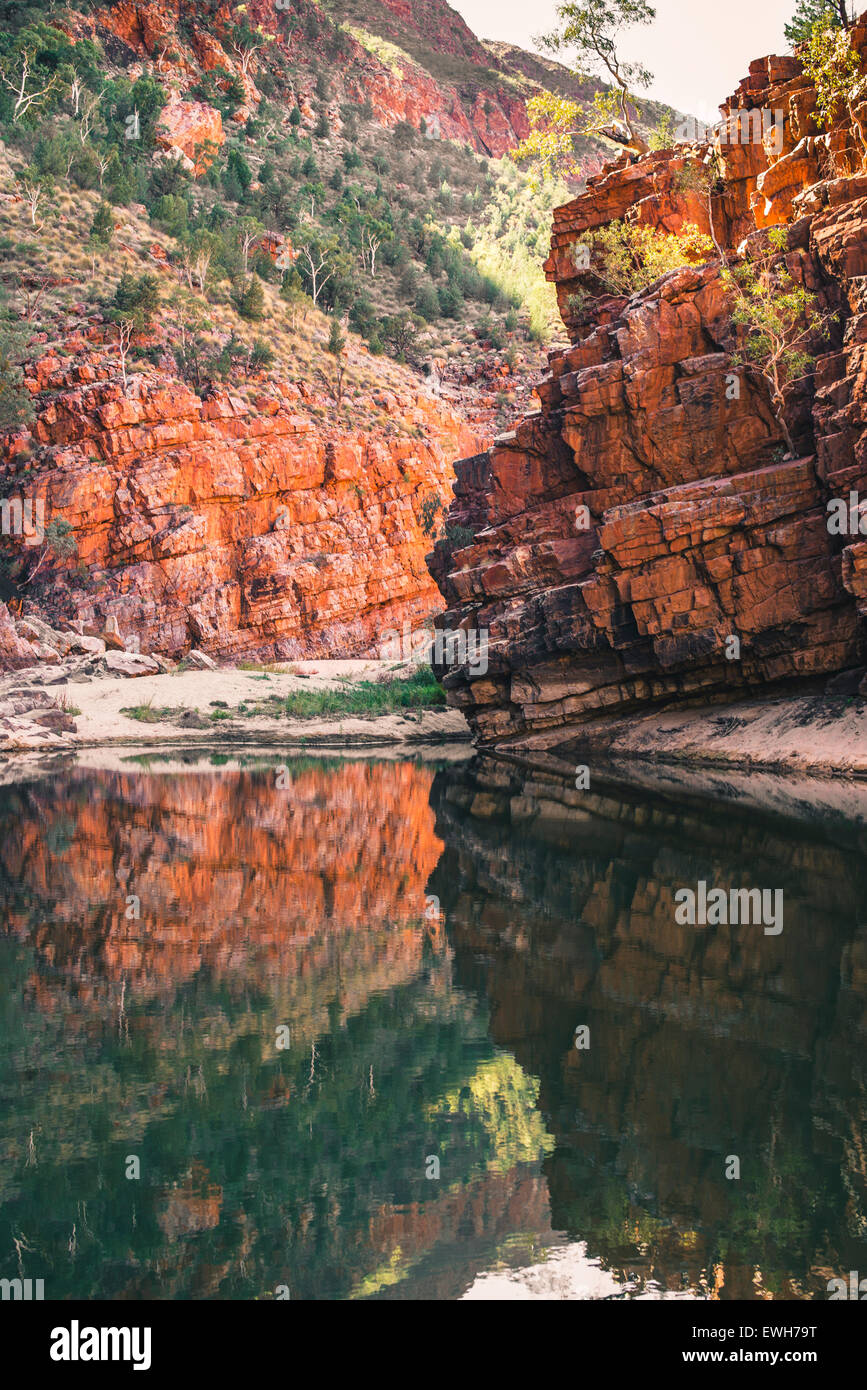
[
  {"x": 190, "y": 131},
  {"x": 699, "y": 527},
  {"x": 246, "y": 527}
]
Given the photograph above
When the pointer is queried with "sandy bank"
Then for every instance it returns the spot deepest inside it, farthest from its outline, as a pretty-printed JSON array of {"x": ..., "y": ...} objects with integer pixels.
[
  {"x": 101, "y": 703},
  {"x": 812, "y": 733}
]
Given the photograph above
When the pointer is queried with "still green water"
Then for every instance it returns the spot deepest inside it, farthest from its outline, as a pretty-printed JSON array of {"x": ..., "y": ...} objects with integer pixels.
[{"x": 315, "y": 1037}]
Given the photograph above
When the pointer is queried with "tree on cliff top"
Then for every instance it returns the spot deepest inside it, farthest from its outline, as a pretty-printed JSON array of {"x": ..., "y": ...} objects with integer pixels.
[
  {"x": 136, "y": 300},
  {"x": 811, "y": 13},
  {"x": 589, "y": 29},
  {"x": 245, "y": 41}
]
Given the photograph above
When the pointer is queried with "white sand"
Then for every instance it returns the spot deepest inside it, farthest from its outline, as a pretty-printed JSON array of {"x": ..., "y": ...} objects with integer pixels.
[{"x": 101, "y": 701}]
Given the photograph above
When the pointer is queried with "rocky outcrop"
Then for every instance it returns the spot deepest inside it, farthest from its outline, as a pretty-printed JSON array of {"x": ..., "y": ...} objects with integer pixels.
[
  {"x": 769, "y": 148},
  {"x": 15, "y": 651},
  {"x": 44, "y": 659},
  {"x": 243, "y": 526},
  {"x": 191, "y": 131},
  {"x": 31, "y": 719},
  {"x": 646, "y": 536}
]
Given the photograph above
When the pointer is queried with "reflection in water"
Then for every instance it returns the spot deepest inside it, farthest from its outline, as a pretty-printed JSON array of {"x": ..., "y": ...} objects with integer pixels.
[
  {"x": 164, "y": 931},
  {"x": 705, "y": 1043}
]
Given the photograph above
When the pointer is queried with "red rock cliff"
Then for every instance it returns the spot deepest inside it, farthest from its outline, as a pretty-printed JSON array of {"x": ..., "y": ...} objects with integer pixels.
[
  {"x": 247, "y": 527},
  {"x": 701, "y": 526}
]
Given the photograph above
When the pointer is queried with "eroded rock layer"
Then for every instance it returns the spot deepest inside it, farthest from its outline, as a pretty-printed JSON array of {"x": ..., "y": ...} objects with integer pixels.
[{"x": 646, "y": 535}]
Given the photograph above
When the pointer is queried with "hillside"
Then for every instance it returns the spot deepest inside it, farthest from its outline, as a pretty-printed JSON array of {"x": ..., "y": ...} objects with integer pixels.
[
  {"x": 264, "y": 274},
  {"x": 483, "y": 86}
]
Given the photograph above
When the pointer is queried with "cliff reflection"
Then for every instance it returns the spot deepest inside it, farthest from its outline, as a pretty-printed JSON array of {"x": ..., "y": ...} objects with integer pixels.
[
  {"x": 704, "y": 1042},
  {"x": 161, "y": 929}
]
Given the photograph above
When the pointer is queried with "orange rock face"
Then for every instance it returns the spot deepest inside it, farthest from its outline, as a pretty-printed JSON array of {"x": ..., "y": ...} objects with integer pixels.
[
  {"x": 243, "y": 529},
  {"x": 192, "y": 127},
  {"x": 645, "y": 536},
  {"x": 15, "y": 651}
]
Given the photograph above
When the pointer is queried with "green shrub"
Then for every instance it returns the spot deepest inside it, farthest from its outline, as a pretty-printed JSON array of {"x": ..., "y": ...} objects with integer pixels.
[
  {"x": 170, "y": 212},
  {"x": 336, "y": 340},
  {"x": 261, "y": 356},
  {"x": 15, "y": 402},
  {"x": 137, "y": 299},
  {"x": 427, "y": 303},
  {"x": 430, "y": 508},
  {"x": 102, "y": 226},
  {"x": 250, "y": 300}
]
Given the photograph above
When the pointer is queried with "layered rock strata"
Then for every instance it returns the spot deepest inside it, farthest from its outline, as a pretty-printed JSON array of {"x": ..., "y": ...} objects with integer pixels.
[
  {"x": 245, "y": 527},
  {"x": 646, "y": 536}
]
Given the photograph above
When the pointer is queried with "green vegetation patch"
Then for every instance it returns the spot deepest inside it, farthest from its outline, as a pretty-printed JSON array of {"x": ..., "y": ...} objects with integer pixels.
[
  {"x": 366, "y": 699},
  {"x": 418, "y": 691},
  {"x": 152, "y": 714}
]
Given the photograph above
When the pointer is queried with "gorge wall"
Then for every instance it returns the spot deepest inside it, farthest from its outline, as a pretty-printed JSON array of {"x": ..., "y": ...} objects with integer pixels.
[
  {"x": 700, "y": 526},
  {"x": 285, "y": 514},
  {"x": 247, "y": 527}
]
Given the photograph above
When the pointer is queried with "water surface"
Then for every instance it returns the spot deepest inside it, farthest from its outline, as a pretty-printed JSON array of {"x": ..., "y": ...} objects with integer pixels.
[{"x": 424, "y": 942}]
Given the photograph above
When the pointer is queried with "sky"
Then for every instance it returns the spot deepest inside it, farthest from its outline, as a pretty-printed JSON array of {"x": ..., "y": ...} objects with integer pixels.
[{"x": 697, "y": 50}]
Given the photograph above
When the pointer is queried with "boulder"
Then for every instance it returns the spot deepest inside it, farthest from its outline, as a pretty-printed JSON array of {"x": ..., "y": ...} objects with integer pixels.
[
  {"x": 87, "y": 646},
  {"x": 186, "y": 129},
  {"x": 15, "y": 650},
  {"x": 50, "y": 655},
  {"x": 57, "y": 719},
  {"x": 111, "y": 635},
  {"x": 201, "y": 660},
  {"x": 37, "y": 631},
  {"x": 129, "y": 664}
]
